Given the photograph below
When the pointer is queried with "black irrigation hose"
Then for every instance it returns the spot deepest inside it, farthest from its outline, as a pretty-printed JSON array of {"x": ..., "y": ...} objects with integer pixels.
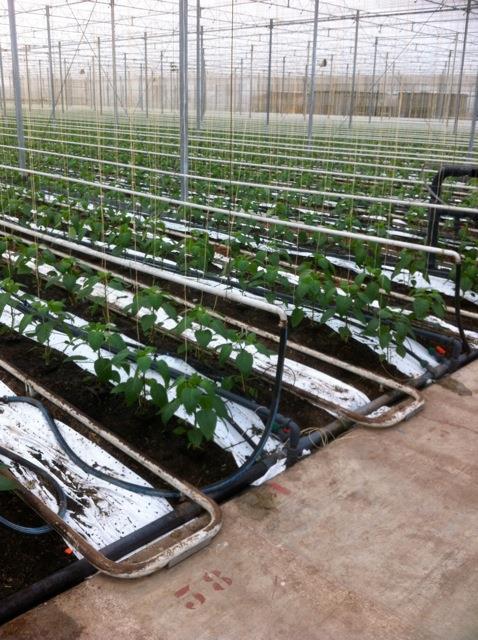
[
  {"x": 459, "y": 323},
  {"x": 151, "y": 491},
  {"x": 49, "y": 479},
  {"x": 169, "y": 493}
]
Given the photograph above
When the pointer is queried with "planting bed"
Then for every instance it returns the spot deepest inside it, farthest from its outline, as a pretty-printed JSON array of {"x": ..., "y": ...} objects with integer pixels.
[{"x": 165, "y": 321}]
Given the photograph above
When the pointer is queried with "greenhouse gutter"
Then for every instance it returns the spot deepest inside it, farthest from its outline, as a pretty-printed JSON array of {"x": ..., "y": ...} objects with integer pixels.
[{"x": 75, "y": 573}]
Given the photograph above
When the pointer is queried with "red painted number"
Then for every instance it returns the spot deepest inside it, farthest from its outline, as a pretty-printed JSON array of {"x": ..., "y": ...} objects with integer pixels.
[{"x": 195, "y": 599}]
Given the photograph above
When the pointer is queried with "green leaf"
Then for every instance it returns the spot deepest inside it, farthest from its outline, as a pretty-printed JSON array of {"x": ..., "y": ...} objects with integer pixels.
[
  {"x": 95, "y": 339},
  {"x": 244, "y": 362},
  {"x": 168, "y": 411},
  {"x": 43, "y": 331},
  {"x": 195, "y": 437},
  {"x": 203, "y": 337},
  {"x": 103, "y": 369},
  {"x": 225, "y": 352},
  {"x": 158, "y": 393},
  {"x": 190, "y": 398},
  {"x": 207, "y": 420},
  {"x": 421, "y": 307},
  {"x": 147, "y": 322},
  {"x": 143, "y": 363},
  {"x": 296, "y": 317}
]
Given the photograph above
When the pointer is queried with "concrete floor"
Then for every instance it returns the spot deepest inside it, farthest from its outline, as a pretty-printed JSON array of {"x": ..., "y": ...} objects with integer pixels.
[{"x": 373, "y": 538}]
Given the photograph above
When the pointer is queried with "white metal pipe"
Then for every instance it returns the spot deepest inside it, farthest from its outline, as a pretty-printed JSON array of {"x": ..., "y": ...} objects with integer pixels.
[
  {"x": 453, "y": 255},
  {"x": 16, "y": 84},
  {"x": 224, "y": 292}
]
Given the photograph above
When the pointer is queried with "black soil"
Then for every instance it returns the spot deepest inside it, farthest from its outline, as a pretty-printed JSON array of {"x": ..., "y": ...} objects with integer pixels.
[{"x": 25, "y": 558}]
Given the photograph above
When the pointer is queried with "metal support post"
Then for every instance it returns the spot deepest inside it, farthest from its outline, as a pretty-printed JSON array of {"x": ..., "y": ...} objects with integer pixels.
[
  {"x": 17, "y": 91},
  {"x": 250, "y": 79},
  {"x": 462, "y": 64},
  {"x": 40, "y": 76},
  {"x": 161, "y": 71},
  {"x": 452, "y": 80},
  {"x": 50, "y": 66},
  {"x": 198, "y": 64},
  {"x": 385, "y": 82},
  {"x": 312, "y": 74},
  {"x": 29, "y": 96},
  {"x": 100, "y": 88},
  {"x": 93, "y": 83},
  {"x": 183, "y": 96},
  {"x": 474, "y": 116},
  {"x": 306, "y": 79},
  {"x": 269, "y": 74},
  {"x": 331, "y": 93},
  {"x": 354, "y": 70},
  {"x": 125, "y": 73},
  {"x": 203, "y": 76},
  {"x": 146, "y": 92},
  {"x": 282, "y": 87},
  {"x": 2, "y": 81},
  {"x": 240, "y": 84},
  {"x": 65, "y": 75},
  {"x": 140, "y": 87},
  {"x": 113, "y": 58},
  {"x": 61, "y": 78},
  {"x": 372, "y": 88}
]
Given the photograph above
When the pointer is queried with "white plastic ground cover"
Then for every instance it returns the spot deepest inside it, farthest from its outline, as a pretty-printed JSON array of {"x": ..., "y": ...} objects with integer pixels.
[
  {"x": 442, "y": 285},
  {"x": 226, "y": 435},
  {"x": 99, "y": 511},
  {"x": 408, "y": 364},
  {"x": 312, "y": 382}
]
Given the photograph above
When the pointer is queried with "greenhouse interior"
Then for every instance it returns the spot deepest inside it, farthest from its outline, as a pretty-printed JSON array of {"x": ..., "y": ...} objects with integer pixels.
[{"x": 238, "y": 319}]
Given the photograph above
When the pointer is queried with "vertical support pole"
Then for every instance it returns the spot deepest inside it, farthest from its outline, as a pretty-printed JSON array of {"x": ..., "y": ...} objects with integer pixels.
[
  {"x": 269, "y": 74},
  {"x": 331, "y": 96},
  {"x": 65, "y": 75},
  {"x": 282, "y": 87},
  {"x": 140, "y": 86},
  {"x": 61, "y": 78},
  {"x": 312, "y": 74},
  {"x": 385, "y": 82},
  {"x": 251, "y": 69},
  {"x": 183, "y": 96},
  {"x": 125, "y": 73},
  {"x": 50, "y": 65},
  {"x": 29, "y": 97},
  {"x": 161, "y": 71},
  {"x": 146, "y": 92},
  {"x": 171, "y": 87},
  {"x": 306, "y": 79},
  {"x": 88, "y": 91},
  {"x": 2, "y": 80},
  {"x": 462, "y": 64},
  {"x": 113, "y": 57},
  {"x": 40, "y": 76},
  {"x": 474, "y": 116},
  {"x": 93, "y": 83},
  {"x": 198, "y": 64},
  {"x": 240, "y": 85},
  {"x": 100, "y": 87},
  {"x": 452, "y": 79},
  {"x": 17, "y": 91},
  {"x": 203, "y": 76},
  {"x": 354, "y": 70},
  {"x": 372, "y": 88},
  {"x": 444, "y": 87}
]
